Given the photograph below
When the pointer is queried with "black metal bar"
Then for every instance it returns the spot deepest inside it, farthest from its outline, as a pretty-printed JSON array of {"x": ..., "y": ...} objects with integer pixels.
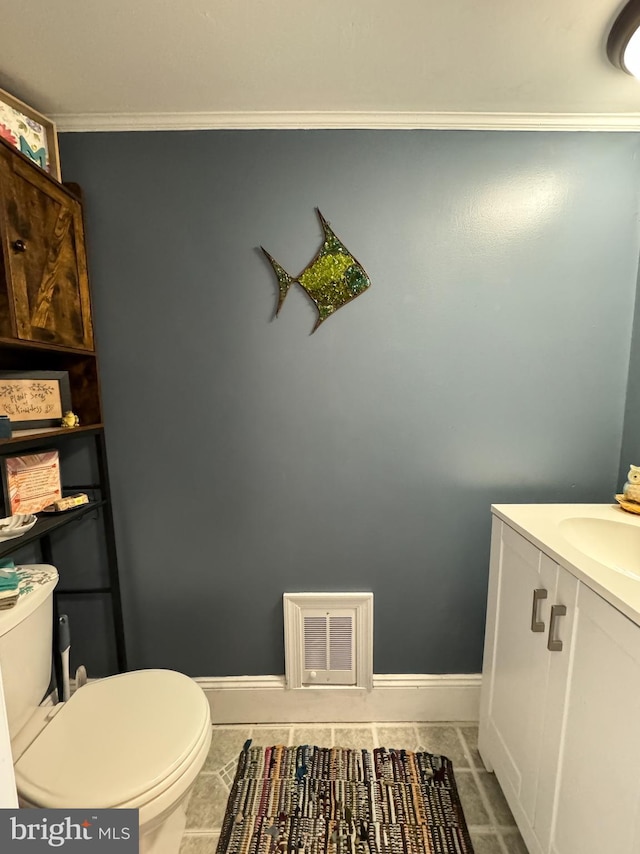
[
  {"x": 79, "y": 590},
  {"x": 112, "y": 557},
  {"x": 81, "y": 486},
  {"x": 47, "y": 557},
  {"x": 45, "y": 549}
]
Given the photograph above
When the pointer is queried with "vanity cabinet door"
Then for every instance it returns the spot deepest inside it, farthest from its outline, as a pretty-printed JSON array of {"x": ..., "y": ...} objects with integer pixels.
[
  {"x": 523, "y": 682},
  {"x": 559, "y": 636},
  {"x": 45, "y": 293},
  {"x": 597, "y": 799}
]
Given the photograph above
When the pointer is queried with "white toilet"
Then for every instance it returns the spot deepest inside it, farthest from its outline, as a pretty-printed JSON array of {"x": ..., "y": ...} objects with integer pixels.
[{"x": 136, "y": 740}]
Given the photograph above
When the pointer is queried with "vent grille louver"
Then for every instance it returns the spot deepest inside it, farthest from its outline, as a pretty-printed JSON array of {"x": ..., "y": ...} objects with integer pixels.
[
  {"x": 328, "y": 639},
  {"x": 315, "y": 643},
  {"x": 327, "y": 647},
  {"x": 341, "y": 643}
]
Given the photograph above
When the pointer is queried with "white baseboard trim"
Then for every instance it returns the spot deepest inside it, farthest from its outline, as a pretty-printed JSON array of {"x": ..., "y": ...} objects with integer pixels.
[{"x": 394, "y": 697}]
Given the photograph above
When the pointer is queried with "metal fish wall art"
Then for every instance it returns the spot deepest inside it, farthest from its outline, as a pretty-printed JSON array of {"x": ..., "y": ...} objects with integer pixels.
[{"x": 332, "y": 279}]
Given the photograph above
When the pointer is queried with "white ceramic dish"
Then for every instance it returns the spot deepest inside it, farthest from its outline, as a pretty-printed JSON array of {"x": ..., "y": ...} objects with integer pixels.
[{"x": 16, "y": 525}]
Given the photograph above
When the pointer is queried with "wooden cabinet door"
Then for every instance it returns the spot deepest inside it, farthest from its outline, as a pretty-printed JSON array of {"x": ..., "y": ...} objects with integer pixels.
[
  {"x": 44, "y": 258},
  {"x": 597, "y": 801}
]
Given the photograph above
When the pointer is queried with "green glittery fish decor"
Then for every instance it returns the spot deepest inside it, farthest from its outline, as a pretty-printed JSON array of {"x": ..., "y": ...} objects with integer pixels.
[{"x": 331, "y": 280}]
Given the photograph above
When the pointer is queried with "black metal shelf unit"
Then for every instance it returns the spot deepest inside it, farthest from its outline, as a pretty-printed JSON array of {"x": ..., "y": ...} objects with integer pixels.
[{"x": 47, "y": 524}]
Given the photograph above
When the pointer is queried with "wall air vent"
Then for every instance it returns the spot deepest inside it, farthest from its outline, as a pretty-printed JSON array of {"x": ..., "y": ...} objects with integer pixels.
[{"x": 328, "y": 639}]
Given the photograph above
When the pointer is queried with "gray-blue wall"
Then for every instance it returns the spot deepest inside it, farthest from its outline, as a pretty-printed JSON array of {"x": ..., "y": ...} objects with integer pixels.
[
  {"x": 631, "y": 436},
  {"x": 487, "y": 363}
]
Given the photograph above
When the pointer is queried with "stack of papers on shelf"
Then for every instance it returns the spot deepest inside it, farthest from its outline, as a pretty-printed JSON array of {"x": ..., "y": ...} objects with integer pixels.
[{"x": 8, "y": 586}]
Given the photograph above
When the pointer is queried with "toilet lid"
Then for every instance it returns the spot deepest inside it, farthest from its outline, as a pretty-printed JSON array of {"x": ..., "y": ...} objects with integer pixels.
[{"x": 114, "y": 740}]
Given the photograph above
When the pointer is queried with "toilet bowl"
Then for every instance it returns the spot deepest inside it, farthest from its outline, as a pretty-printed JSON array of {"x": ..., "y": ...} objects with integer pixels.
[{"x": 137, "y": 740}]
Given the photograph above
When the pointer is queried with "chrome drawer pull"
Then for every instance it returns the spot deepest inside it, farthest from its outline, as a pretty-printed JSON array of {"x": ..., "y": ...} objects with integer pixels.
[
  {"x": 536, "y": 624},
  {"x": 556, "y": 611}
]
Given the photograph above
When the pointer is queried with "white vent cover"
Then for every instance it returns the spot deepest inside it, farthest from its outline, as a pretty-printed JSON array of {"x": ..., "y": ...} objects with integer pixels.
[{"x": 328, "y": 639}]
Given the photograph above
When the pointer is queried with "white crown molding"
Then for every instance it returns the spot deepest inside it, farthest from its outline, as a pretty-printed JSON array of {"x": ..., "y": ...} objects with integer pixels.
[
  {"x": 263, "y": 120},
  {"x": 394, "y": 697}
]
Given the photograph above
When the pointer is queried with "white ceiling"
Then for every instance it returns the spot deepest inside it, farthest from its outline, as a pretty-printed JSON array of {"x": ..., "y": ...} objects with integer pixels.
[{"x": 281, "y": 63}]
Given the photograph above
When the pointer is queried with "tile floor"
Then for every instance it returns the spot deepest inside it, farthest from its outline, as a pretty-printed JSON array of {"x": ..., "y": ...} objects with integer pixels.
[{"x": 488, "y": 817}]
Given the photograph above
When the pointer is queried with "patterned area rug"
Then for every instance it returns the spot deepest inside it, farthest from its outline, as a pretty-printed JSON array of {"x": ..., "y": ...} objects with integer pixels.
[{"x": 317, "y": 800}]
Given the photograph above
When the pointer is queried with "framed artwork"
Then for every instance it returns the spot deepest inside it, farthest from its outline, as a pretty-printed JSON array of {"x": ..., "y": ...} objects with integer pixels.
[
  {"x": 32, "y": 482},
  {"x": 34, "y": 399},
  {"x": 31, "y": 133}
]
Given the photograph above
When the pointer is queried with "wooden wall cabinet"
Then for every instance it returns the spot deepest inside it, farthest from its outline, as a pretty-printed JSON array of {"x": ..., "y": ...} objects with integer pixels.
[{"x": 44, "y": 289}]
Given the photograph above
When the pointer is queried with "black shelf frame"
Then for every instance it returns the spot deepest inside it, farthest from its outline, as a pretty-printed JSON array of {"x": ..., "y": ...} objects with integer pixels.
[
  {"x": 45, "y": 525},
  {"x": 29, "y": 441},
  {"x": 48, "y": 523}
]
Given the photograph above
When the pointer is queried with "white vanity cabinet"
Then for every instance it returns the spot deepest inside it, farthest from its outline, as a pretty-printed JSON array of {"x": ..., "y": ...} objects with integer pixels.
[
  {"x": 597, "y": 793},
  {"x": 560, "y": 704}
]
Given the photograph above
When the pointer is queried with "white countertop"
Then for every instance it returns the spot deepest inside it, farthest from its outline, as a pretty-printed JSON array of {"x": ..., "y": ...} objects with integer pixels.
[{"x": 540, "y": 524}]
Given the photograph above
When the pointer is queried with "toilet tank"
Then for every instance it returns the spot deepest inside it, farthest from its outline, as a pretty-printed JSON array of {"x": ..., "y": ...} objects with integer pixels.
[{"x": 26, "y": 632}]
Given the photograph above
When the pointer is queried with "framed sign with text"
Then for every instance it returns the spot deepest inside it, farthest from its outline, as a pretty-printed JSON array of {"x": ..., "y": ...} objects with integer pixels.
[
  {"x": 34, "y": 399},
  {"x": 32, "y": 482}
]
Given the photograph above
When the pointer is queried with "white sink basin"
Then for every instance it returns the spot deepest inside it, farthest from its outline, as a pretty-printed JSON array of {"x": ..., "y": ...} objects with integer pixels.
[
  {"x": 613, "y": 543},
  {"x": 599, "y": 544}
]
